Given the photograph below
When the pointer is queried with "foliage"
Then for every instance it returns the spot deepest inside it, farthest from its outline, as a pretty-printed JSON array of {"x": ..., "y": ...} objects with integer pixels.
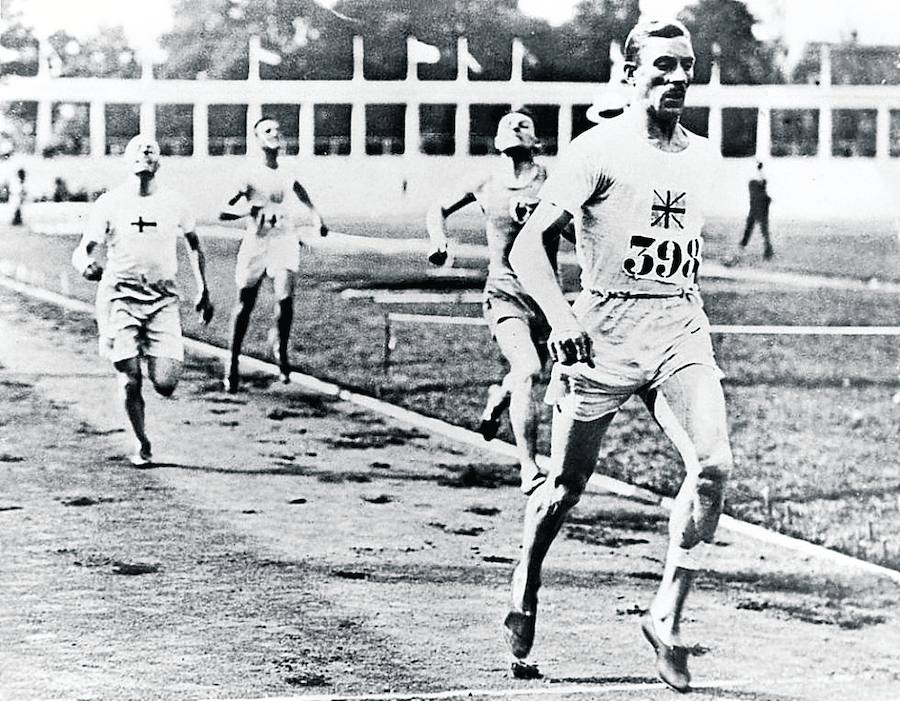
[
  {"x": 22, "y": 46},
  {"x": 579, "y": 50},
  {"x": 210, "y": 39},
  {"x": 725, "y": 27},
  {"x": 105, "y": 55}
]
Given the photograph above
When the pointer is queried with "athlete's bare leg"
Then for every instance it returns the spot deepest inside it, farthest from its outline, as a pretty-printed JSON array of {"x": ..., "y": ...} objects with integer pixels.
[
  {"x": 283, "y": 285},
  {"x": 575, "y": 445},
  {"x": 164, "y": 374},
  {"x": 240, "y": 322},
  {"x": 690, "y": 408},
  {"x": 515, "y": 341},
  {"x": 130, "y": 385}
]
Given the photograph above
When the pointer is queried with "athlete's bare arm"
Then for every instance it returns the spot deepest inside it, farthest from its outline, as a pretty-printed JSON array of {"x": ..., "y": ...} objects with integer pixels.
[
  {"x": 83, "y": 257},
  {"x": 83, "y": 260},
  {"x": 528, "y": 257},
  {"x": 229, "y": 213},
  {"x": 304, "y": 198},
  {"x": 434, "y": 223},
  {"x": 198, "y": 268}
]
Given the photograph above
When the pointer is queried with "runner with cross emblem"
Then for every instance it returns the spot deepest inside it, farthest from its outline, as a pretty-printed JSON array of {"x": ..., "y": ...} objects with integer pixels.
[{"x": 138, "y": 317}]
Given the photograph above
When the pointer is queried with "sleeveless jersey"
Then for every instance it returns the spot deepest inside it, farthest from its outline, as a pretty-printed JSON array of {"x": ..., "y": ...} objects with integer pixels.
[
  {"x": 638, "y": 210},
  {"x": 507, "y": 205}
]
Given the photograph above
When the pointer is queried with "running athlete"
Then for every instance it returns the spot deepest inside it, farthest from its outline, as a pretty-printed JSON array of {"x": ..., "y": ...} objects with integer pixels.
[
  {"x": 270, "y": 247},
  {"x": 137, "y": 297},
  {"x": 507, "y": 197},
  {"x": 636, "y": 186}
]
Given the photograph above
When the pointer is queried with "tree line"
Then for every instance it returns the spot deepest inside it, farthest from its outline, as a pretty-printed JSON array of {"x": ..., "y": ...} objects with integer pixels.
[{"x": 210, "y": 39}]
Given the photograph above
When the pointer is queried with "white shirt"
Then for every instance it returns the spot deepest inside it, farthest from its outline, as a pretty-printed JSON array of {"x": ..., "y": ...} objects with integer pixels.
[
  {"x": 269, "y": 194},
  {"x": 638, "y": 209},
  {"x": 140, "y": 233}
]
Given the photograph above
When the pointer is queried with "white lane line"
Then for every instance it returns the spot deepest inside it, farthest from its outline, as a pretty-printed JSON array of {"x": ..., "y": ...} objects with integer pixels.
[
  {"x": 39, "y": 293},
  {"x": 788, "y": 330},
  {"x": 337, "y": 242},
  {"x": 601, "y": 483},
  {"x": 731, "y": 329},
  {"x": 437, "y": 319},
  {"x": 419, "y": 297},
  {"x": 412, "y": 296}
]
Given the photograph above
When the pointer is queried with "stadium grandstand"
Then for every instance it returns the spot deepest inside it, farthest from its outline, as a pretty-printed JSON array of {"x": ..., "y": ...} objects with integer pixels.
[{"x": 831, "y": 138}]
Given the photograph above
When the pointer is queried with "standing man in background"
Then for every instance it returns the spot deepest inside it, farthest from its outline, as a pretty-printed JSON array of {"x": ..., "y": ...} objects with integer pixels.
[
  {"x": 636, "y": 186},
  {"x": 758, "y": 214},
  {"x": 267, "y": 197},
  {"x": 18, "y": 194}
]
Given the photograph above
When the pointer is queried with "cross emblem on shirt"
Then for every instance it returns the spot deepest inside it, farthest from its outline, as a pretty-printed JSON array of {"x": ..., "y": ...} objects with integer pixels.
[{"x": 141, "y": 224}]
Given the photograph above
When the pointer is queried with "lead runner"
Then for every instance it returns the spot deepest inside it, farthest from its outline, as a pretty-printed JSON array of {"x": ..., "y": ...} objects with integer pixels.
[
  {"x": 137, "y": 296},
  {"x": 636, "y": 186}
]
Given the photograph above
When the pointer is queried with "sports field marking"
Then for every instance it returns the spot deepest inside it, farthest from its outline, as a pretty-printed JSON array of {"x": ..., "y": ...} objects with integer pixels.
[
  {"x": 455, "y": 273},
  {"x": 437, "y": 319},
  {"x": 351, "y": 243},
  {"x": 412, "y": 297},
  {"x": 788, "y": 330},
  {"x": 338, "y": 242},
  {"x": 419, "y": 297},
  {"x": 597, "y": 482},
  {"x": 761, "y": 330}
]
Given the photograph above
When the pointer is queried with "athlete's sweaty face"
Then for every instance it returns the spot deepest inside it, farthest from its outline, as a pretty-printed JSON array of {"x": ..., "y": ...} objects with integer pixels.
[
  {"x": 143, "y": 155},
  {"x": 268, "y": 134},
  {"x": 665, "y": 69}
]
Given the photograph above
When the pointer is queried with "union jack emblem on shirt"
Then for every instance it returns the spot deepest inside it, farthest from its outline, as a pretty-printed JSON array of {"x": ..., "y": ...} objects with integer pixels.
[{"x": 667, "y": 209}]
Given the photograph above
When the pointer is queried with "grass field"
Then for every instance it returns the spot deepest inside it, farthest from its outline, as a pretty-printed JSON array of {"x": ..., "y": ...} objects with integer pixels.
[{"x": 813, "y": 425}]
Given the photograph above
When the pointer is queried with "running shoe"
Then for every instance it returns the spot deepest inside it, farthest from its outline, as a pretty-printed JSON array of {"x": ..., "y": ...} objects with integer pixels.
[{"x": 497, "y": 403}]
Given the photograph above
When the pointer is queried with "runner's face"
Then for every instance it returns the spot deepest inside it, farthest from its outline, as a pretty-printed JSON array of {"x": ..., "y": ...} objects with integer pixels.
[
  {"x": 268, "y": 133},
  {"x": 515, "y": 130},
  {"x": 664, "y": 71},
  {"x": 144, "y": 156}
]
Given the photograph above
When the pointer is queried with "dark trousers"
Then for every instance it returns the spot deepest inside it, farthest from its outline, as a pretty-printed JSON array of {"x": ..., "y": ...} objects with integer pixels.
[{"x": 761, "y": 217}]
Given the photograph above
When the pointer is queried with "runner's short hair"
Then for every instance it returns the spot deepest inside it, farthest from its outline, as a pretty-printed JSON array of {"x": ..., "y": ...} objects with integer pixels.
[
  {"x": 643, "y": 30},
  {"x": 264, "y": 119}
]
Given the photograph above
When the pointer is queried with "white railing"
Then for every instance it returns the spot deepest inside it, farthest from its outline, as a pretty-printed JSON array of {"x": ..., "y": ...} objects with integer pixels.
[{"x": 358, "y": 92}]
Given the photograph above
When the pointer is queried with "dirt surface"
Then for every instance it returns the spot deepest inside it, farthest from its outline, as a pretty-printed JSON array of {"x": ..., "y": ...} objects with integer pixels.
[
  {"x": 812, "y": 422},
  {"x": 290, "y": 544}
]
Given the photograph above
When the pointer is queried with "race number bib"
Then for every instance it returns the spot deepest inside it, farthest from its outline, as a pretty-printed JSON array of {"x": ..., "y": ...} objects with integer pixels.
[
  {"x": 520, "y": 208},
  {"x": 663, "y": 260},
  {"x": 267, "y": 217},
  {"x": 267, "y": 209}
]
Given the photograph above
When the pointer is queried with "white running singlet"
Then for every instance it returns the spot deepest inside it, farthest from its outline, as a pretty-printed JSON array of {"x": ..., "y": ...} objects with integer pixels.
[
  {"x": 638, "y": 210},
  {"x": 140, "y": 232}
]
